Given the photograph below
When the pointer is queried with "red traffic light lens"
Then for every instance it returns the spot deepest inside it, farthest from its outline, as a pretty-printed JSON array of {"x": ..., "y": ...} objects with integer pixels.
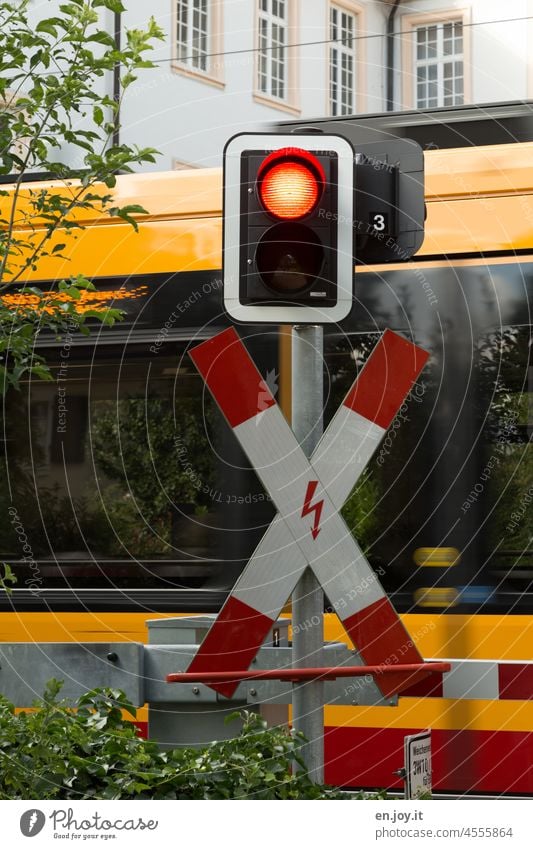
[{"x": 290, "y": 182}]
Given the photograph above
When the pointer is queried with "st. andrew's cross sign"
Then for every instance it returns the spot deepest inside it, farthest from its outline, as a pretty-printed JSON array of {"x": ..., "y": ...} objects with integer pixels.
[{"x": 308, "y": 529}]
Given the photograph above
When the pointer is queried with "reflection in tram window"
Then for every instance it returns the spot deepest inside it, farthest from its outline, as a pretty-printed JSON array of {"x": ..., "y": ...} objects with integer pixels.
[
  {"x": 453, "y": 473},
  {"x": 506, "y": 480},
  {"x": 118, "y": 471}
]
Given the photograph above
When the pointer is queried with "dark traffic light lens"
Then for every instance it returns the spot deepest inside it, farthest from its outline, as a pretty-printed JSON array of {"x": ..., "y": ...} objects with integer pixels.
[
  {"x": 289, "y": 257},
  {"x": 290, "y": 183}
]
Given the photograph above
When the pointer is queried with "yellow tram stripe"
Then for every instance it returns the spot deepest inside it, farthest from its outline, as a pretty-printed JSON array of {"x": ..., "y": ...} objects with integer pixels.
[
  {"x": 442, "y": 714},
  {"x": 476, "y": 636}
]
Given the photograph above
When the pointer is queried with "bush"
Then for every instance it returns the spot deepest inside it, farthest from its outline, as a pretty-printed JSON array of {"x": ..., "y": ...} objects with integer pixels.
[{"x": 89, "y": 750}]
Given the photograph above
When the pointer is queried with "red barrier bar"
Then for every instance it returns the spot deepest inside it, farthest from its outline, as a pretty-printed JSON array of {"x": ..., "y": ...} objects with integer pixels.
[{"x": 324, "y": 673}]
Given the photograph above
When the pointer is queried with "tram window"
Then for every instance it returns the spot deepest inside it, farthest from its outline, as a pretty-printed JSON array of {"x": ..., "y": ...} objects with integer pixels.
[
  {"x": 117, "y": 472},
  {"x": 506, "y": 369},
  {"x": 454, "y": 472},
  {"x": 383, "y": 510}
]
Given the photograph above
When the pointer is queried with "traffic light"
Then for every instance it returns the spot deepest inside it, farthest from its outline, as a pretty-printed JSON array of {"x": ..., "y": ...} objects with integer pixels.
[{"x": 288, "y": 227}]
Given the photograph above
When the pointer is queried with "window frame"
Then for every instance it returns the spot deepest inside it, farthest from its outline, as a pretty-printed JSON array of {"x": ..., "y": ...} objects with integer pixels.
[
  {"x": 529, "y": 43},
  {"x": 214, "y": 73},
  {"x": 359, "y": 54},
  {"x": 408, "y": 26},
  {"x": 183, "y": 165},
  {"x": 288, "y": 103},
  {"x": 8, "y": 103}
]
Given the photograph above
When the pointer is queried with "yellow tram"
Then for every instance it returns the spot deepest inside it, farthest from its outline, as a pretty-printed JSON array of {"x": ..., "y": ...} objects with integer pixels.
[{"x": 137, "y": 503}]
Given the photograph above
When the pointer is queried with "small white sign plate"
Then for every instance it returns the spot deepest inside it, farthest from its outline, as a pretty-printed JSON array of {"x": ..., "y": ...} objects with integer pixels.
[{"x": 417, "y": 759}]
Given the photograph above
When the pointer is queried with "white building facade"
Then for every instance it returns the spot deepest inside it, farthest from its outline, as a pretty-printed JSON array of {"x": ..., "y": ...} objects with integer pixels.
[{"x": 227, "y": 66}]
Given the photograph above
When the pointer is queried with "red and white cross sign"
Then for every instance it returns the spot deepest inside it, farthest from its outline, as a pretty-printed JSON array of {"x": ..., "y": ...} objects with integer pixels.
[{"x": 308, "y": 494}]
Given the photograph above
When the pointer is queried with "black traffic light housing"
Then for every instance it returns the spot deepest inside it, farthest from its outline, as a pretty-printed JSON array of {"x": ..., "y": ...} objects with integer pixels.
[
  {"x": 370, "y": 210},
  {"x": 389, "y": 182},
  {"x": 294, "y": 258},
  {"x": 389, "y": 201},
  {"x": 288, "y": 227}
]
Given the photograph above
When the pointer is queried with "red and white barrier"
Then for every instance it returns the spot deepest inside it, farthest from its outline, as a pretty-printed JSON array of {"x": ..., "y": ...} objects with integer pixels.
[
  {"x": 478, "y": 679},
  {"x": 308, "y": 494}
]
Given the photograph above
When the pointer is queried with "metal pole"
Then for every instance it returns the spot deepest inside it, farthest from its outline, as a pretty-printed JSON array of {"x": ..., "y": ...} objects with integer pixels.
[{"x": 308, "y": 598}]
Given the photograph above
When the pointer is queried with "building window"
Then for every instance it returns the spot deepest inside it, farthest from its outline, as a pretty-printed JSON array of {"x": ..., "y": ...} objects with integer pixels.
[
  {"x": 439, "y": 64},
  {"x": 198, "y": 46},
  {"x": 193, "y": 33},
  {"x": 342, "y": 33},
  {"x": 19, "y": 145},
  {"x": 272, "y": 64}
]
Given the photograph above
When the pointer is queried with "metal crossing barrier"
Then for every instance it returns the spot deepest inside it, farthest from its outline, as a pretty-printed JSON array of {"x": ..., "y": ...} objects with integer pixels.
[
  {"x": 305, "y": 673},
  {"x": 189, "y": 711}
]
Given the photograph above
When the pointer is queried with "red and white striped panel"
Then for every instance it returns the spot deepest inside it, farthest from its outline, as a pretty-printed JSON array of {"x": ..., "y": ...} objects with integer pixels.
[
  {"x": 478, "y": 679},
  {"x": 308, "y": 497}
]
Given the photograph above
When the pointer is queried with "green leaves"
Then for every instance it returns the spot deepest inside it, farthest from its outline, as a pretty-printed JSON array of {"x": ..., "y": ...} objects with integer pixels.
[
  {"x": 98, "y": 115},
  {"x": 7, "y": 579},
  {"x": 91, "y": 750},
  {"x": 49, "y": 79},
  {"x": 113, "y": 5},
  {"x": 48, "y": 27},
  {"x": 126, "y": 212}
]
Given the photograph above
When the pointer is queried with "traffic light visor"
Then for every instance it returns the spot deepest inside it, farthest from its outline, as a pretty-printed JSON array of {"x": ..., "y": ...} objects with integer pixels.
[{"x": 290, "y": 183}]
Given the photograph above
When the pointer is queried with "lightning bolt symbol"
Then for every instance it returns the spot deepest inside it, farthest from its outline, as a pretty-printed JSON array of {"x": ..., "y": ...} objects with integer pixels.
[
  {"x": 313, "y": 508},
  {"x": 33, "y": 820}
]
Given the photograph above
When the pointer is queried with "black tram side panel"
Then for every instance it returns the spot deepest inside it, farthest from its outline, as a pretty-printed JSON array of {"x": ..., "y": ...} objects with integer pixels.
[
  {"x": 458, "y": 487},
  {"x": 427, "y": 487},
  {"x": 85, "y": 469},
  {"x": 455, "y": 465},
  {"x": 475, "y": 320},
  {"x": 446, "y": 127}
]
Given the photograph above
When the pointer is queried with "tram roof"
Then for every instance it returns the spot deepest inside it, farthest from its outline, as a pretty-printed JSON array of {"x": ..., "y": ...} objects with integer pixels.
[{"x": 446, "y": 127}]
